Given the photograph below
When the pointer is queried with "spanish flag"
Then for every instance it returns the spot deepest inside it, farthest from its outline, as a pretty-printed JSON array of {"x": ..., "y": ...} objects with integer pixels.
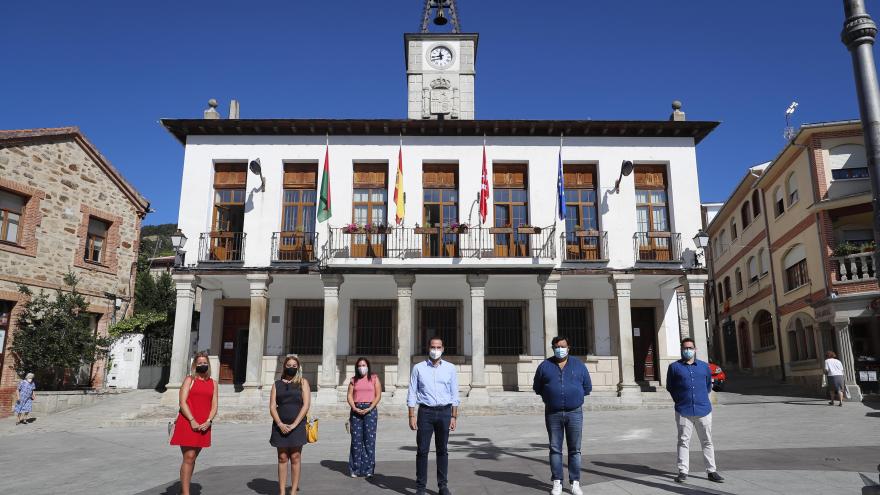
[{"x": 399, "y": 204}]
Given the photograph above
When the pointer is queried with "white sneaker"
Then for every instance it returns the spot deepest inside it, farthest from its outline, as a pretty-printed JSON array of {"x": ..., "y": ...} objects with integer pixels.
[
  {"x": 557, "y": 488},
  {"x": 576, "y": 488}
]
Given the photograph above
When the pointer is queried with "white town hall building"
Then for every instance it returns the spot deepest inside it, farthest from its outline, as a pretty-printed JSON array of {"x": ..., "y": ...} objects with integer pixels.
[{"x": 277, "y": 277}]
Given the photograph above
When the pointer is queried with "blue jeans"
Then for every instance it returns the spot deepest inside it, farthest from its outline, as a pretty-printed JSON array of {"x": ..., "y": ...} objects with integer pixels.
[
  {"x": 432, "y": 421},
  {"x": 568, "y": 424},
  {"x": 362, "y": 456}
]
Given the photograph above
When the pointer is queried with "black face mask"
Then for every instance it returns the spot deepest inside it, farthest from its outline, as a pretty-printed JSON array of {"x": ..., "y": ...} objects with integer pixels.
[
  {"x": 290, "y": 371},
  {"x": 202, "y": 368}
]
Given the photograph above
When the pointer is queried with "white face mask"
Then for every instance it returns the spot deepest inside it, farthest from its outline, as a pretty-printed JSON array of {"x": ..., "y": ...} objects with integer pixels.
[
  {"x": 435, "y": 354},
  {"x": 363, "y": 370}
]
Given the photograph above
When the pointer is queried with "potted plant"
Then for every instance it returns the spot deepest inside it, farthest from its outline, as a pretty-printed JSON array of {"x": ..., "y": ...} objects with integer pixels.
[
  {"x": 869, "y": 247},
  {"x": 528, "y": 229},
  {"x": 457, "y": 228},
  {"x": 845, "y": 249},
  {"x": 353, "y": 228},
  {"x": 427, "y": 229}
]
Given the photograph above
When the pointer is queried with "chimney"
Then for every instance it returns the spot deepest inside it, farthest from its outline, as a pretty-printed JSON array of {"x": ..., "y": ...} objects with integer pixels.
[
  {"x": 233, "y": 109},
  {"x": 211, "y": 112},
  {"x": 677, "y": 114}
]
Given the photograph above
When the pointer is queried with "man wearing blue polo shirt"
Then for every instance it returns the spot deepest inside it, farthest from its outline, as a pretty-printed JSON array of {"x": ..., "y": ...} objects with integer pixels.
[
  {"x": 562, "y": 382},
  {"x": 433, "y": 387},
  {"x": 689, "y": 381}
]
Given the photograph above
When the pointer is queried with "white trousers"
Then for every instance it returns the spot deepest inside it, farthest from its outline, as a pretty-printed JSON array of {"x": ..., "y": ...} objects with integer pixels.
[{"x": 703, "y": 426}]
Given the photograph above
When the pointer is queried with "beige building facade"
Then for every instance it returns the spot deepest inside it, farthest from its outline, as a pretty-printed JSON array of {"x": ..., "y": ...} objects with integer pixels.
[
  {"x": 792, "y": 269},
  {"x": 63, "y": 207}
]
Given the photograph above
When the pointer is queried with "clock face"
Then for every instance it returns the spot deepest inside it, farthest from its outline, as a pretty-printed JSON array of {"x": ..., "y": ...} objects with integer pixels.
[{"x": 440, "y": 57}]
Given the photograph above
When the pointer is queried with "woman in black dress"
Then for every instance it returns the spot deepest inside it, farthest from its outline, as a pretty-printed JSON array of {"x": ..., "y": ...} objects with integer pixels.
[{"x": 291, "y": 397}]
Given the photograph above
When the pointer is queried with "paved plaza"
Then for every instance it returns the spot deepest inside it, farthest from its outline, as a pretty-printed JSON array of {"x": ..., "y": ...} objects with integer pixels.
[{"x": 779, "y": 444}]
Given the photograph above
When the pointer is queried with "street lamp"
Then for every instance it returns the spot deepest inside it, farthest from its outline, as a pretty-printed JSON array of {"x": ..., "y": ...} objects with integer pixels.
[
  {"x": 858, "y": 35},
  {"x": 178, "y": 240},
  {"x": 701, "y": 240}
]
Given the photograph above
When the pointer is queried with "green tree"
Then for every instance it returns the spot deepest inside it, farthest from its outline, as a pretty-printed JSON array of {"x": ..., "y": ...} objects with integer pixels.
[{"x": 54, "y": 336}]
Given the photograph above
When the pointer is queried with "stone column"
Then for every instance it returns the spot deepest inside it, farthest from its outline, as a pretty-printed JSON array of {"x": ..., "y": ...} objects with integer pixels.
[
  {"x": 695, "y": 289},
  {"x": 549, "y": 286},
  {"x": 185, "y": 285},
  {"x": 404, "y": 283},
  {"x": 328, "y": 380},
  {"x": 627, "y": 388},
  {"x": 259, "y": 287},
  {"x": 478, "y": 390},
  {"x": 844, "y": 347}
]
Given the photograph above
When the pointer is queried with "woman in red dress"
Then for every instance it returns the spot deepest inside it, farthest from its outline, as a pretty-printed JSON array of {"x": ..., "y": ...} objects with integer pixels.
[{"x": 198, "y": 406}]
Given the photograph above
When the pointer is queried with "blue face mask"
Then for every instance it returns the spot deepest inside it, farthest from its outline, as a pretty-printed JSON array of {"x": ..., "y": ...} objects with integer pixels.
[
  {"x": 688, "y": 354},
  {"x": 560, "y": 352}
]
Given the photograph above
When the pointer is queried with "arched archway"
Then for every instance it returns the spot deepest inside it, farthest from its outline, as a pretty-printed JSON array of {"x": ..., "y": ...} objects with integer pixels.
[{"x": 745, "y": 345}]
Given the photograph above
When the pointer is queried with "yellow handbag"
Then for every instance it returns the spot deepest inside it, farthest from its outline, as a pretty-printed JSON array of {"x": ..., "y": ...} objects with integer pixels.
[{"x": 312, "y": 429}]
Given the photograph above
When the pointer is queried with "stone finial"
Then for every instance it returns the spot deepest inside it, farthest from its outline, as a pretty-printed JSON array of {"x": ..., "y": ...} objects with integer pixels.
[
  {"x": 233, "y": 109},
  {"x": 211, "y": 112},
  {"x": 677, "y": 114}
]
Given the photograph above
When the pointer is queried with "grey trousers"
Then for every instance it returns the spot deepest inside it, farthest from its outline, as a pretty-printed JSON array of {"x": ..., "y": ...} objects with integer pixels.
[{"x": 686, "y": 426}]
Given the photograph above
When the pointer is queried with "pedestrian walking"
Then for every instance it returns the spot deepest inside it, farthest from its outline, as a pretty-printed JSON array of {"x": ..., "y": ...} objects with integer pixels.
[
  {"x": 364, "y": 394},
  {"x": 198, "y": 407},
  {"x": 24, "y": 398},
  {"x": 563, "y": 381},
  {"x": 288, "y": 405},
  {"x": 689, "y": 381},
  {"x": 834, "y": 372},
  {"x": 433, "y": 388}
]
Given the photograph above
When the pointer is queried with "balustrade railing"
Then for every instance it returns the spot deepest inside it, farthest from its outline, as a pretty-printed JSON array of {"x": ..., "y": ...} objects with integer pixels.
[
  {"x": 586, "y": 245},
  {"x": 854, "y": 267},
  {"x": 443, "y": 242},
  {"x": 295, "y": 247},
  {"x": 221, "y": 247}
]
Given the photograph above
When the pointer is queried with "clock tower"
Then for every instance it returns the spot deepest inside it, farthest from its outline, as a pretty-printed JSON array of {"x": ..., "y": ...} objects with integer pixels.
[{"x": 440, "y": 67}]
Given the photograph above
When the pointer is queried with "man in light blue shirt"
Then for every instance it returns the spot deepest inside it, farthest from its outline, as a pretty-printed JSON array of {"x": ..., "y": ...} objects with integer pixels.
[{"x": 433, "y": 387}]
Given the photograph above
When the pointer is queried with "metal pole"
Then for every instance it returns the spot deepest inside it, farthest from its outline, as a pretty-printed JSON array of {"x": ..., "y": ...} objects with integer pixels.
[{"x": 858, "y": 35}]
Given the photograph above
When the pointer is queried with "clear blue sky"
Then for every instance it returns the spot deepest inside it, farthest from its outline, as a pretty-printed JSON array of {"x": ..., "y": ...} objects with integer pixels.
[{"x": 115, "y": 68}]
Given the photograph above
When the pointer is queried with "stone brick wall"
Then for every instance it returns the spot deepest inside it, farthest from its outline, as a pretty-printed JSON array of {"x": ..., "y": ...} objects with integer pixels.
[{"x": 64, "y": 184}]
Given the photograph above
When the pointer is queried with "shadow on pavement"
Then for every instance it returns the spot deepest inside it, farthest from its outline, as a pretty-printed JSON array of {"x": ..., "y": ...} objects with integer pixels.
[
  {"x": 174, "y": 489},
  {"x": 263, "y": 486},
  {"x": 518, "y": 479},
  {"x": 338, "y": 466},
  {"x": 398, "y": 484}
]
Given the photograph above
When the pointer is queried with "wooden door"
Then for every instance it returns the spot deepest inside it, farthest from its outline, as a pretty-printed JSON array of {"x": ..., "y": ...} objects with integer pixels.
[
  {"x": 731, "y": 356},
  {"x": 235, "y": 321},
  {"x": 644, "y": 344},
  {"x": 745, "y": 347}
]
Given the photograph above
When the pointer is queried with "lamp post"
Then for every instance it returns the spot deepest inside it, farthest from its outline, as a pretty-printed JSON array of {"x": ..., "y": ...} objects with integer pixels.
[
  {"x": 178, "y": 240},
  {"x": 858, "y": 35},
  {"x": 701, "y": 240}
]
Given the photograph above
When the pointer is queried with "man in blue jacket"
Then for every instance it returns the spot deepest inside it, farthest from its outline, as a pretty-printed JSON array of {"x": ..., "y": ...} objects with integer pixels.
[
  {"x": 562, "y": 382},
  {"x": 689, "y": 381}
]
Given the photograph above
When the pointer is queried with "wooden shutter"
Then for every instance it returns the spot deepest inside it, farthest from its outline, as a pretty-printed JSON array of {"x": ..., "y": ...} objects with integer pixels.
[
  {"x": 509, "y": 175},
  {"x": 230, "y": 175},
  {"x": 301, "y": 175},
  {"x": 439, "y": 176},
  {"x": 651, "y": 176},
  {"x": 579, "y": 176},
  {"x": 368, "y": 175}
]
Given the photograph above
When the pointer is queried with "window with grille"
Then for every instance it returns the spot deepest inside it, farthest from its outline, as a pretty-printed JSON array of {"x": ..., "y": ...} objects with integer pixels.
[
  {"x": 374, "y": 328},
  {"x": 575, "y": 322},
  {"x": 96, "y": 240},
  {"x": 505, "y": 328},
  {"x": 440, "y": 319},
  {"x": 11, "y": 211},
  {"x": 305, "y": 333},
  {"x": 764, "y": 324}
]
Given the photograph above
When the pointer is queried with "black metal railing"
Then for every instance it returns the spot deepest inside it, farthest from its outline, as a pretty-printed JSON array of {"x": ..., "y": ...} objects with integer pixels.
[
  {"x": 222, "y": 247},
  {"x": 657, "y": 246},
  {"x": 294, "y": 247},
  {"x": 440, "y": 242},
  {"x": 586, "y": 245}
]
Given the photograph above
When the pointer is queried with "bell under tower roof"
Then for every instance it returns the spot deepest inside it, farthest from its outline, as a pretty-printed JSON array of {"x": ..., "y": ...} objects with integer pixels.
[{"x": 440, "y": 17}]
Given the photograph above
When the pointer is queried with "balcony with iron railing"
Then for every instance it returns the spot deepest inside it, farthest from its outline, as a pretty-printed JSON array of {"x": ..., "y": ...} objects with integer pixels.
[
  {"x": 294, "y": 247},
  {"x": 585, "y": 246},
  {"x": 462, "y": 243},
  {"x": 657, "y": 247},
  {"x": 221, "y": 247}
]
